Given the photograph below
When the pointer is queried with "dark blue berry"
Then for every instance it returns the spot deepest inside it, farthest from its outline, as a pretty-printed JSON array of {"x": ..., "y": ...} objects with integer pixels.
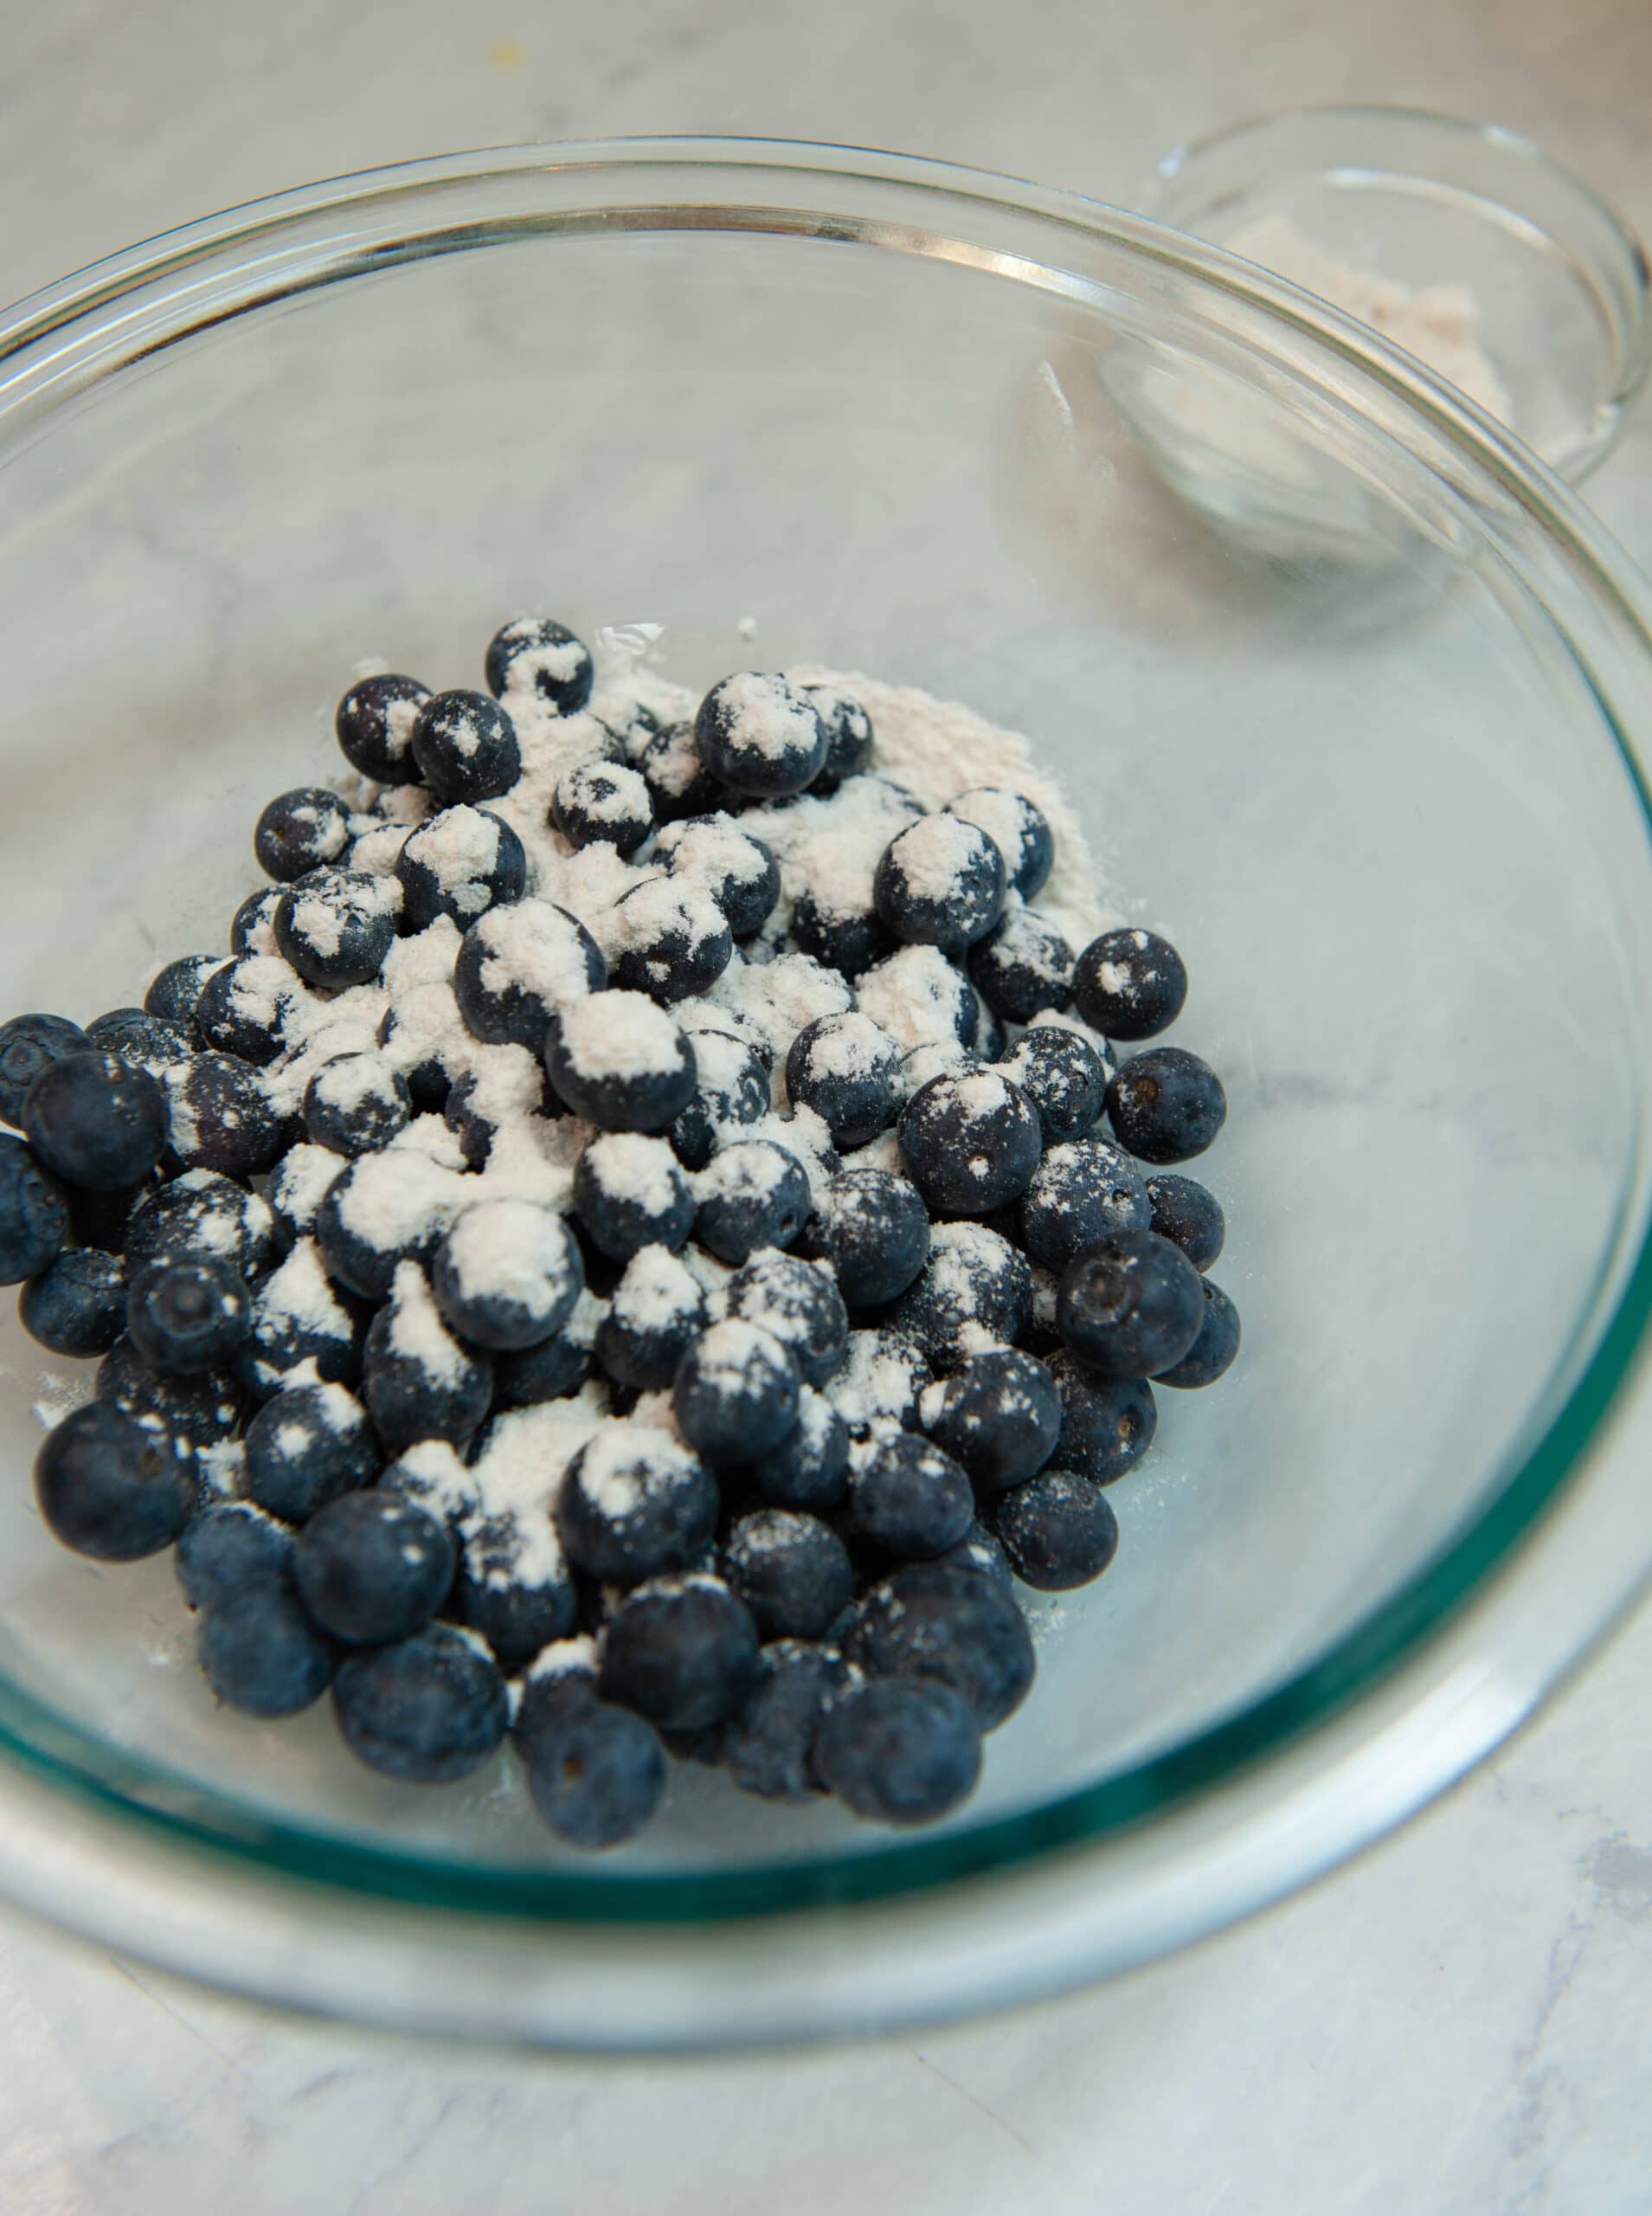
[
  {"x": 668, "y": 936},
  {"x": 298, "y": 1317},
  {"x": 992, "y": 1040},
  {"x": 305, "y": 1447},
  {"x": 873, "y": 1229},
  {"x": 476, "y": 1107},
  {"x": 1131, "y": 1306},
  {"x": 372, "y": 1568},
  {"x": 974, "y": 1289},
  {"x": 508, "y": 1274},
  {"x": 196, "y": 1411},
  {"x": 1107, "y": 1423},
  {"x": 911, "y": 1498},
  {"x": 731, "y": 1087},
  {"x": 385, "y": 1210},
  {"x": 792, "y": 1571},
  {"x": 883, "y": 1374},
  {"x": 185, "y": 1317},
  {"x": 753, "y": 1194},
  {"x": 409, "y": 1024},
  {"x": 800, "y": 1303},
  {"x": 336, "y": 927},
  {"x": 298, "y": 1185},
  {"x": 970, "y": 1141},
  {"x": 34, "y": 1215},
  {"x": 174, "y": 990},
  {"x": 738, "y": 870},
  {"x": 245, "y": 1007},
  {"x": 100, "y": 1219},
  {"x": 300, "y": 831},
  {"x": 1022, "y": 967},
  {"x": 553, "y": 1369},
  {"x": 630, "y": 1193},
  {"x": 768, "y": 1746},
  {"x": 1081, "y": 1191},
  {"x": 635, "y": 1501},
  {"x": 1188, "y": 1216},
  {"x": 94, "y": 1120},
  {"x": 603, "y": 802},
  {"x": 508, "y": 1594},
  {"x": 262, "y": 1655},
  {"x": 1212, "y": 1352},
  {"x": 899, "y": 1750},
  {"x": 951, "y": 1624},
  {"x": 1016, "y": 828},
  {"x": 228, "y": 1548},
  {"x": 1165, "y": 1106},
  {"x": 620, "y": 1061},
  {"x": 27, "y": 1044},
  {"x": 140, "y": 1038},
  {"x": 679, "y": 784},
  {"x": 1058, "y": 1530},
  {"x": 682, "y": 1651},
  {"x": 535, "y": 655},
  {"x": 999, "y": 1417},
  {"x": 222, "y": 1118},
  {"x": 940, "y": 883},
  {"x": 430, "y": 1709},
  {"x": 655, "y": 1312},
  {"x": 374, "y": 724},
  {"x": 735, "y": 1395},
  {"x": 465, "y": 746},
  {"x": 809, "y": 1468},
  {"x": 916, "y": 994},
  {"x": 355, "y": 1103},
  {"x": 977, "y": 1552},
  {"x": 849, "y": 943},
  {"x": 417, "y": 1379},
  {"x": 462, "y": 862},
  {"x": 849, "y": 735},
  {"x": 596, "y": 1772},
  {"x": 761, "y": 736},
  {"x": 1130, "y": 985},
  {"x": 252, "y": 928},
  {"x": 845, "y": 1068},
  {"x": 77, "y": 1306},
  {"x": 109, "y": 1487},
  {"x": 1064, "y": 1077}
]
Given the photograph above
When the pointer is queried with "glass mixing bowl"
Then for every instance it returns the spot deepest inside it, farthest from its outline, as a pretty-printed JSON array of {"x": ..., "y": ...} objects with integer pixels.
[{"x": 1400, "y": 836}]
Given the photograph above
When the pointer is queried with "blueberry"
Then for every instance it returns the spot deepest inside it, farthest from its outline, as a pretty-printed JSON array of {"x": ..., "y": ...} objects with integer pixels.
[
  {"x": 142, "y": 1039},
  {"x": 305, "y": 1447},
  {"x": 792, "y": 1571},
  {"x": 1064, "y": 1077},
  {"x": 507, "y": 1274},
  {"x": 1131, "y": 1306},
  {"x": 731, "y": 1088},
  {"x": 753, "y": 1194},
  {"x": 620, "y": 1061},
  {"x": 809, "y": 1468},
  {"x": 679, "y": 784},
  {"x": 356, "y": 1104},
  {"x": 1107, "y": 1423},
  {"x": 849, "y": 735},
  {"x": 77, "y": 1305},
  {"x": 955, "y": 1626},
  {"x": 535, "y": 654},
  {"x": 992, "y": 1039},
  {"x": 970, "y": 1141},
  {"x": 1188, "y": 1216},
  {"x": 556, "y": 1367},
  {"x": 682, "y": 1651},
  {"x": 630, "y": 1193},
  {"x": 1022, "y": 967},
  {"x": 999, "y": 1417},
  {"x": 909, "y": 1497},
  {"x": 1058, "y": 1530},
  {"x": 766, "y": 1746},
  {"x": 899, "y": 1750},
  {"x": 734, "y": 1393},
  {"x": 34, "y": 1215},
  {"x": 336, "y": 927},
  {"x": 882, "y": 1374},
  {"x": 300, "y": 1182},
  {"x": 738, "y": 870},
  {"x": 596, "y": 1772},
  {"x": 461, "y": 863},
  {"x": 226, "y": 1548},
  {"x": 299, "y": 831},
  {"x": 940, "y": 883},
  {"x": 1130, "y": 985},
  {"x": 262, "y": 1655},
  {"x": 761, "y": 736},
  {"x": 92, "y": 1119},
  {"x": 100, "y": 1219},
  {"x": 799, "y": 1303},
  {"x": 246, "y": 1005},
  {"x": 1212, "y": 1352},
  {"x": 974, "y": 1289},
  {"x": 174, "y": 990},
  {"x": 418, "y": 1381},
  {"x": 374, "y": 723},
  {"x": 431, "y": 1708},
  {"x": 465, "y": 746},
  {"x": 514, "y": 1591},
  {"x": 873, "y": 1229},
  {"x": 845, "y": 1068},
  {"x": 596, "y": 801},
  {"x": 635, "y": 1501},
  {"x": 385, "y": 1210},
  {"x": 481, "y": 1101},
  {"x": 1081, "y": 1191},
  {"x": 108, "y": 1487},
  {"x": 1165, "y": 1106},
  {"x": 201, "y": 1410},
  {"x": 222, "y": 1118},
  {"x": 432, "y": 1474},
  {"x": 656, "y": 1312},
  {"x": 668, "y": 938},
  {"x": 29, "y": 1044},
  {"x": 414, "y": 1031},
  {"x": 372, "y": 1568},
  {"x": 298, "y": 1319},
  {"x": 252, "y": 928},
  {"x": 185, "y": 1317},
  {"x": 850, "y": 941},
  {"x": 978, "y": 1553},
  {"x": 1017, "y": 828}
]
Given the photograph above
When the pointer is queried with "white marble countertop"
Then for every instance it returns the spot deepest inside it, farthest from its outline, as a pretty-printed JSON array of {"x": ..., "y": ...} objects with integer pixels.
[{"x": 1456, "y": 2025}]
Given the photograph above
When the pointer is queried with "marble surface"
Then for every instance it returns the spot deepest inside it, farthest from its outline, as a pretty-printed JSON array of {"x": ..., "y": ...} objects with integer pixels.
[{"x": 1458, "y": 2022}]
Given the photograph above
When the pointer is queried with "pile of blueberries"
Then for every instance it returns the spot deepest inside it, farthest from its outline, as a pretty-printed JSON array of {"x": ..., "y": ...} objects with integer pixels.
[{"x": 913, "y": 1390}]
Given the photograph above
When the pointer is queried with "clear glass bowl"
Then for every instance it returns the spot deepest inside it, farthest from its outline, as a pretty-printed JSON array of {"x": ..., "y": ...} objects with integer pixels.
[{"x": 1405, "y": 851}]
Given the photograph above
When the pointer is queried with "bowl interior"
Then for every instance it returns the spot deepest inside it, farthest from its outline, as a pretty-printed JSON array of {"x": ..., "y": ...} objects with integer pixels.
[{"x": 1395, "y": 839}]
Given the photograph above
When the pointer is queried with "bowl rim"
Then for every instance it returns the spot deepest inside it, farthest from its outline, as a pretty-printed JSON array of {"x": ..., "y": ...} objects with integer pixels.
[{"x": 50, "y": 347}]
